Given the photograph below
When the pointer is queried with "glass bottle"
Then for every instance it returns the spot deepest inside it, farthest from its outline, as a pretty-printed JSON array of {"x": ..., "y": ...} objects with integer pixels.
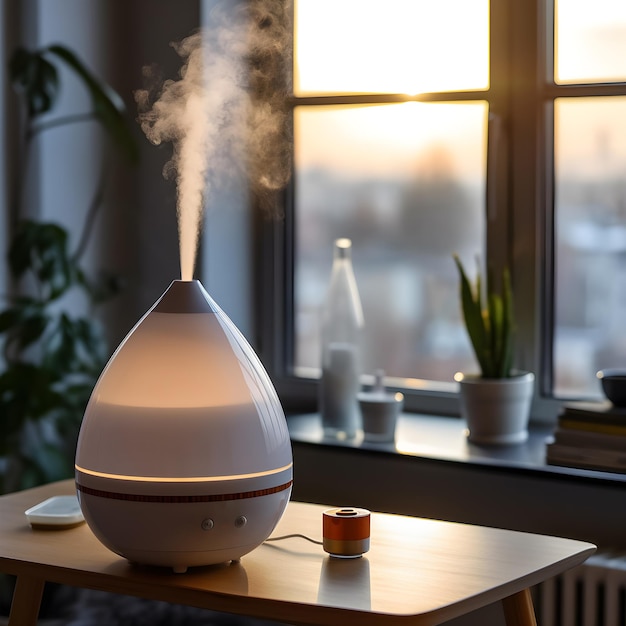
[{"x": 341, "y": 334}]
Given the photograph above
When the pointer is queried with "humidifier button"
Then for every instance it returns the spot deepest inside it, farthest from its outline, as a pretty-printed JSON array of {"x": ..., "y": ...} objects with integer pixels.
[
  {"x": 207, "y": 524},
  {"x": 241, "y": 521}
]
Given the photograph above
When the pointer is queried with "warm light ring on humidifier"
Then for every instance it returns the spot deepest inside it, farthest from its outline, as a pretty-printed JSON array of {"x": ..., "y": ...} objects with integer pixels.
[
  {"x": 178, "y": 499},
  {"x": 186, "y": 479}
]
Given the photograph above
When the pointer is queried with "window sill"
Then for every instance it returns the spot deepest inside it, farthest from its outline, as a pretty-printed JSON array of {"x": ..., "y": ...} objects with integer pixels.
[{"x": 443, "y": 439}]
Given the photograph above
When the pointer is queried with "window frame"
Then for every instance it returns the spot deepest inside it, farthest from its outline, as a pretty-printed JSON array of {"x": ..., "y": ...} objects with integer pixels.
[{"x": 519, "y": 210}]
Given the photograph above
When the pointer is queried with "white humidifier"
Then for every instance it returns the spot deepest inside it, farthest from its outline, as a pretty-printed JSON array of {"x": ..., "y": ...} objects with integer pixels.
[{"x": 184, "y": 456}]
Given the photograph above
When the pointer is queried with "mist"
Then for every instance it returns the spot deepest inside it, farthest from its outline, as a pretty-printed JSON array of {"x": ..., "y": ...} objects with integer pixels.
[{"x": 227, "y": 112}]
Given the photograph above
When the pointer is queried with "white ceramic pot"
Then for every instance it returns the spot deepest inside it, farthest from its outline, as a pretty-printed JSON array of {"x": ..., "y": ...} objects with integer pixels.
[{"x": 496, "y": 410}]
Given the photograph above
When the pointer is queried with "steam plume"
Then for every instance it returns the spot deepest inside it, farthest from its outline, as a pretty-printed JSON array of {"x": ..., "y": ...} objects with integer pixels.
[{"x": 227, "y": 112}]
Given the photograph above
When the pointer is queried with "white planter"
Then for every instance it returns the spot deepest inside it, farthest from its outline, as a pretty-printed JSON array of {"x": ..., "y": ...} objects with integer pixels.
[{"x": 496, "y": 411}]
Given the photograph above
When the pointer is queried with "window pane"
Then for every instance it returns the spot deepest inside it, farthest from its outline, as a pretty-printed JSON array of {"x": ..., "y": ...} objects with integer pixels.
[
  {"x": 395, "y": 46},
  {"x": 590, "y": 41},
  {"x": 590, "y": 154},
  {"x": 406, "y": 183}
]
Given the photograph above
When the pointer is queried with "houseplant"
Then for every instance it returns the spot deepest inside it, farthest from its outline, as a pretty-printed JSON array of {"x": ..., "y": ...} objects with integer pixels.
[
  {"x": 51, "y": 353},
  {"x": 496, "y": 402}
]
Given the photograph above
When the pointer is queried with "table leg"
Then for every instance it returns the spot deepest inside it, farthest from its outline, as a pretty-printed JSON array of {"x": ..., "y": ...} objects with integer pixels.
[
  {"x": 518, "y": 609},
  {"x": 26, "y": 601}
]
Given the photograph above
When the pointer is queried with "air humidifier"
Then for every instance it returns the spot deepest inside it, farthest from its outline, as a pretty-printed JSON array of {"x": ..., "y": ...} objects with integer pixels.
[{"x": 183, "y": 456}]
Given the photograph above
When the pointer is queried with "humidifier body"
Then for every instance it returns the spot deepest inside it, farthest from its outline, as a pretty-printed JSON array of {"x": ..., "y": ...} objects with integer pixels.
[{"x": 183, "y": 456}]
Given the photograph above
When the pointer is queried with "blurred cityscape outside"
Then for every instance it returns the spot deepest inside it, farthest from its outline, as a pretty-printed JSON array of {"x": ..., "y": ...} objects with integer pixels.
[
  {"x": 405, "y": 228},
  {"x": 590, "y": 240}
]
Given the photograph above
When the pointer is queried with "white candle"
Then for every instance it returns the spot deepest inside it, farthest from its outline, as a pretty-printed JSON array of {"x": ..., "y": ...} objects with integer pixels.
[{"x": 340, "y": 386}]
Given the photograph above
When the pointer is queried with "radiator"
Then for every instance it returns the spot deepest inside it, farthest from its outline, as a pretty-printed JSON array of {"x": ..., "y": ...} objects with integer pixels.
[{"x": 592, "y": 594}]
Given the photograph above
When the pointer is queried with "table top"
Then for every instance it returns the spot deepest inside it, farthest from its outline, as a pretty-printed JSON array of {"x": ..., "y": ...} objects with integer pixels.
[{"x": 418, "y": 571}]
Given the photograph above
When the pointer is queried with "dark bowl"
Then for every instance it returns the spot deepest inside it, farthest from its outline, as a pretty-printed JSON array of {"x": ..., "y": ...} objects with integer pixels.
[{"x": 614, "y": 385}]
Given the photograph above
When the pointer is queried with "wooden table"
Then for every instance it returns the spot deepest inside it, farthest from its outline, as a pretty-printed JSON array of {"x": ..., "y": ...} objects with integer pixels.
[{"x": 417, "y": 571}]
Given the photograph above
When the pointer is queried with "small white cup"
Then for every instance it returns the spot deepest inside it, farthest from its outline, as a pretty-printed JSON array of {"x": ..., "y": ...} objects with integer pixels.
[{"x": 379, "y": 412}]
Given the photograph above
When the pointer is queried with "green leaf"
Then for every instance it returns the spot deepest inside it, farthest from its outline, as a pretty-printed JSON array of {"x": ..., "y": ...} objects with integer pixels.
[
  {"x": 507, "y": 321},
  {"x": 8, "y": 319},
  {"x": 472, "y": 313},
  {"x": 91, "y": 340},
  {"x": 31, "y": 475},
  {"x": 108, "y": 106},
  {"x": 52, "y": 464},
  {"x": 20, "y": 248},
  {"x": 26, "y": 392},
  {"x": 495, "y": 331},
  {"x": 42, "y": 248},
  {"x": 490, "y": 327},
  {"x": 35, "y": 77},
  {"x": 31, "y": 329},
  {"x": 104, "y": 286},
  {"x": 22, "y": 326},
  {"x": 60, "y": 348}
]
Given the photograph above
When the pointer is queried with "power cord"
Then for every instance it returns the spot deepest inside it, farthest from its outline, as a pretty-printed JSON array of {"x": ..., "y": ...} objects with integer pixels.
[{"x": 298, "y": 535}]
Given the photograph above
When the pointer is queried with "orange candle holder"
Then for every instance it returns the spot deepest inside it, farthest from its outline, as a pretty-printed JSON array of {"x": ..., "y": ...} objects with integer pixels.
[{"x": 346, "y": 532}]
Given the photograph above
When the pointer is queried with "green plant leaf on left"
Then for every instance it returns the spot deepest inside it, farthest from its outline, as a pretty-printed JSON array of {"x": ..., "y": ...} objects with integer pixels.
[
  {"x": 41, "y": 247},
  {"x": 108, "y": 106},
  {"x": 34, "y": 76}
]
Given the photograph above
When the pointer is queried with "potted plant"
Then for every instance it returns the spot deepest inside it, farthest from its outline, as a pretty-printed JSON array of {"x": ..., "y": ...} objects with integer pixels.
[
  {"x": 50, "y": 354},
  {"x": 496, "y": 402}
]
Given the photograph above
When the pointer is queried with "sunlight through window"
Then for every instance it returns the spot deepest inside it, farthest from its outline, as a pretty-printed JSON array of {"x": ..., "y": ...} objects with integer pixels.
[
  {"x": 590, "y": 41},
  {"x": 411, "y": 47}
]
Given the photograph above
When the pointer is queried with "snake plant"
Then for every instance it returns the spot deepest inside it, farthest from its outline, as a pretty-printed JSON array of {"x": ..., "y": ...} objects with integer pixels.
[{"x": 488, "y": 317}]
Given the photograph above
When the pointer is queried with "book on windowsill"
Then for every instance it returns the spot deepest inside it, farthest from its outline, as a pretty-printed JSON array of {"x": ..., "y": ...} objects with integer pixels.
[
  {"x": 601, "y": 459},
  {"x": 590, "y": 435},
  {"x": 599, "y": 417},
  {"x": 578, "y": 438}
]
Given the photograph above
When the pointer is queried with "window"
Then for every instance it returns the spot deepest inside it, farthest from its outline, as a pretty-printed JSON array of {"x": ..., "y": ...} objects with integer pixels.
[
  {"x": 589, "y": 192},
  {"x": 489, "y": 129}
]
